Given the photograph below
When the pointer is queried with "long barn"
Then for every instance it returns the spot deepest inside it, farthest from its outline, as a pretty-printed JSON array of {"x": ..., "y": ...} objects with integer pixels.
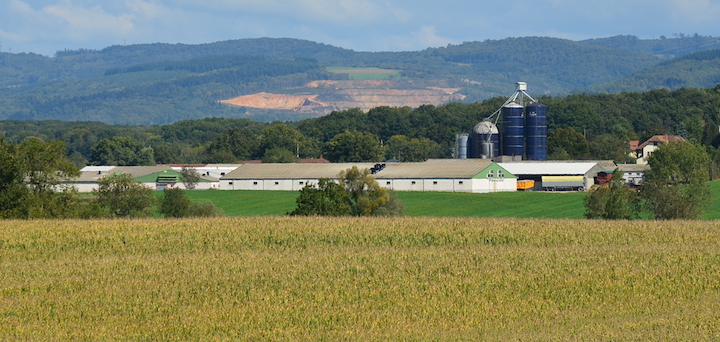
[{"x": 448, "y": 175}]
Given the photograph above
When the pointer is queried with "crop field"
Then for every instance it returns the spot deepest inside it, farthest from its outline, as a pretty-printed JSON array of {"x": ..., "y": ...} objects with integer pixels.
[
  {"x": 311, "y": 279},
  {"x": 360, "y": 74}
]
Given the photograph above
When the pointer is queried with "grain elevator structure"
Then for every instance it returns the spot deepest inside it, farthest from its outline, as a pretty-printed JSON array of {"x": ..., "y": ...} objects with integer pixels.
[{"x": 524, "y": 131}]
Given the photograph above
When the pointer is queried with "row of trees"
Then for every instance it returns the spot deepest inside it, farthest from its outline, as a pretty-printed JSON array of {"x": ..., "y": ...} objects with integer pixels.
[
  {"x": 580, "y": 127},
  {"x": 675, "y": 187}
]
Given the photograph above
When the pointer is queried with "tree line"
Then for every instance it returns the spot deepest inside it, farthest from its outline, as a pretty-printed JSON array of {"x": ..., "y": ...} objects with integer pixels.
[{"x": 580, "y": 127}]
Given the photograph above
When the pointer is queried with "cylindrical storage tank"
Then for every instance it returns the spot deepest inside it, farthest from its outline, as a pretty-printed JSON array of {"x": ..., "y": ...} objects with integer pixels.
[
  {"x": 513, "y": 130},
  {"x": 485, "y": 134},
  {"x": 461, "y": 143},
  {"x": 536, "y": 131}
]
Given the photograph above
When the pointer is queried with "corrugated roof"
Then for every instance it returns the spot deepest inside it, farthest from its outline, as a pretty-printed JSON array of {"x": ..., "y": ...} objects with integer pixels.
[
  {"x": 435, "y": 169},
  {"x": 92, "y": 174},
  {"x": 292, "y": 170},
  {"x": 548, "y": 168},
  {"x": 97, "y": 168},
  {"x": 634, "y": 167},
  {"x": 138, "y": 171}
]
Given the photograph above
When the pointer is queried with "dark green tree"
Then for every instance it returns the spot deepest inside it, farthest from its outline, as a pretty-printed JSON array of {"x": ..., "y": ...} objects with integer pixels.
[
  {"x": 676, "y": 187},
  {"x": 328, "y": 198},
  {"x": 570, "y": 141},
  {"x": 174, "y": 203},
  {"x": 612, "y": 201},
  {"x": 122, "y": 151},
  {"x": 236, "y": 144},
  {"x": 411, "y": 150},
  {"x": 122, "y": 196},
  {"x": 12, "y": 190},
  {"x": 279, "y": 155},
  {"x": 610, "y": 147},
  {"x": 354, "y": 146}
]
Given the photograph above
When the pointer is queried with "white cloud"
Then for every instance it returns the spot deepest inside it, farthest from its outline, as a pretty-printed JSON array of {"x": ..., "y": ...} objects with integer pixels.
[
  {"x": 81, "y": 23},
  {"x": 427, "y": 37}
]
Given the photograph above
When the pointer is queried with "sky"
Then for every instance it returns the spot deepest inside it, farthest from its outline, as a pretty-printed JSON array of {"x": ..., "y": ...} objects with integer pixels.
[{"x": 46, "y": 26}]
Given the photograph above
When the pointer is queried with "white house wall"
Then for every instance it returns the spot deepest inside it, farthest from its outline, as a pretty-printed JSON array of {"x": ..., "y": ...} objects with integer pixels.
[
  {"x": 484, "y": 185},
  {"x": 450, "y": 185},
  {"x": 265, "y": 184}
]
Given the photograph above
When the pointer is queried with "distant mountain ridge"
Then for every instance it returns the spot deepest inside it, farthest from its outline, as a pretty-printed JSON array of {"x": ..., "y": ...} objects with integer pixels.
[{"x": 163, "y": 83}]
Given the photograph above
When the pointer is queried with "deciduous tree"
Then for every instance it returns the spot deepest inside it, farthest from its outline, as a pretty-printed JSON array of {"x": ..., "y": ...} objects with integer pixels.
[
  {"x": 676, "y": 187},
  {"x": 122, "y": 196},
  {"x": 613, "y": 201},
  {"x": 174, "y": 203},
  {"x": 354, "y": 146}
]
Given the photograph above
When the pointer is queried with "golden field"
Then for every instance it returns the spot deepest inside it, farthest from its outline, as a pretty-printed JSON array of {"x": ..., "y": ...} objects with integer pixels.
[{"x": 311, "y": 279}]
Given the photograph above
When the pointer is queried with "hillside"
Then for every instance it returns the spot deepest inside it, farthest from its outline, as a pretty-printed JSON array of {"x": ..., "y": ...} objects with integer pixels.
[
  {"x": 165, "y": 83},
  {"x": 697, "y": 70},
  {"x": 664, "y": 47}
]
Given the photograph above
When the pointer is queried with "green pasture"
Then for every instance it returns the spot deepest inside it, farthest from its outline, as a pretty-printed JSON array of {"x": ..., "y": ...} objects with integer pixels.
[
  {"x": 366, "y": 73},
  {"x": 504, "y": 204}
]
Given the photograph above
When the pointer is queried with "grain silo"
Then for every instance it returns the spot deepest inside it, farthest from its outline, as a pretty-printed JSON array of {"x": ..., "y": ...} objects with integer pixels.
[
  {"x": 536, "y": 131},
  {"x": 484, "y": 141},
  {"x": 513, "y": 130}
]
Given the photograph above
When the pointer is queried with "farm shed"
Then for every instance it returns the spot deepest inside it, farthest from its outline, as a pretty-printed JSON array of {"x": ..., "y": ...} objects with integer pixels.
[
  {"x": 538, "y": 171},
  {"x": 633, "y": 173},
  {"x": 283, "y": 176},
  {"x": 448, "y": 175},
  {"x": 153, "y": 177},
  {"x": 169, "y": 178},
  {"x": 451, "y": 175}
]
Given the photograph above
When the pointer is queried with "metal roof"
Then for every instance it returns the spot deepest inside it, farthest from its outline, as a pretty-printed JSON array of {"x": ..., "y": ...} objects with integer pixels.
[
  {"x": 634, "y": 167},
  {"x": 450, "y": 169},
  {"x": 549, "y": 168},
  {"x": 292, "y": 170},
  {"x": 435, "y": 169}
]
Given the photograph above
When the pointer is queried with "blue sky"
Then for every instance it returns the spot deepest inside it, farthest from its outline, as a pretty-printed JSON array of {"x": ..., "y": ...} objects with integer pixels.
[{"x": 45, "y": 26}]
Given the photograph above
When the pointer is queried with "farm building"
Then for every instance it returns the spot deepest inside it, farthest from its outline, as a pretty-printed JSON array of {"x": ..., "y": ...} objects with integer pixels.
[
  {"x": 153, "y": 177},
  {"x": 559, "y": 175},
  {"x": 633, "y": 173},
  {"x": 449, "y": 175},
  {"x": 282, "y": 176},
  {"x": 644, "y": 150}
]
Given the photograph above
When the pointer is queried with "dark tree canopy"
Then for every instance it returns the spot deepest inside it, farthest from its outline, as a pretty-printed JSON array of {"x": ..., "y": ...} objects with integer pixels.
[{"x": 676, "y": 187}]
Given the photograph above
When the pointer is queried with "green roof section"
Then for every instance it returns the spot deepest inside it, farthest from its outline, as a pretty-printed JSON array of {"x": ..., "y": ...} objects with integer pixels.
[
  {"x": 494, "y": 167},
  {"x": 167, "y": 175}
]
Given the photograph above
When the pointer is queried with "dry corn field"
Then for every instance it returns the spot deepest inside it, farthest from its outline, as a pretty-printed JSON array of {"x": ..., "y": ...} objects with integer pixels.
[{"x": 312, "y": 279}]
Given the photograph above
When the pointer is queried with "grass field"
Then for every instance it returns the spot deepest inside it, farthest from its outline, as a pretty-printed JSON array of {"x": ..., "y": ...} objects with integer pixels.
[
  {"x": 366, "y": 73},
  {"x": 371, "y": 279},
  {"x": 507, "y": 204}
]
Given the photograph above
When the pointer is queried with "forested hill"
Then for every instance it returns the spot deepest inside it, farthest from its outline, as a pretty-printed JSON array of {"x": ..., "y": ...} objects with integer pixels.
[
  {"x": 670, "y": 48},
  {"x": 164, "y": 83},
  {"x": 696, "y": 70}
]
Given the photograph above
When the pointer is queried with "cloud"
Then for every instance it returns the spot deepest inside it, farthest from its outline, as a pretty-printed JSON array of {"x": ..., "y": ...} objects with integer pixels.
[{"x": 81, "y": 23}]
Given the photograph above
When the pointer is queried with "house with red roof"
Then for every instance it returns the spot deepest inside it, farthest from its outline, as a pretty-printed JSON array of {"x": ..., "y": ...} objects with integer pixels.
[{"x": 645, "y": 149}]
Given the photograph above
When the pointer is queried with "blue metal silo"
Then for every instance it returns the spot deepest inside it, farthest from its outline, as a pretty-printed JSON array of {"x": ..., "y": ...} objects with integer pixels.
[
  {"x": 513, "y": 130},
  {"x": 536, "y": 131}
]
